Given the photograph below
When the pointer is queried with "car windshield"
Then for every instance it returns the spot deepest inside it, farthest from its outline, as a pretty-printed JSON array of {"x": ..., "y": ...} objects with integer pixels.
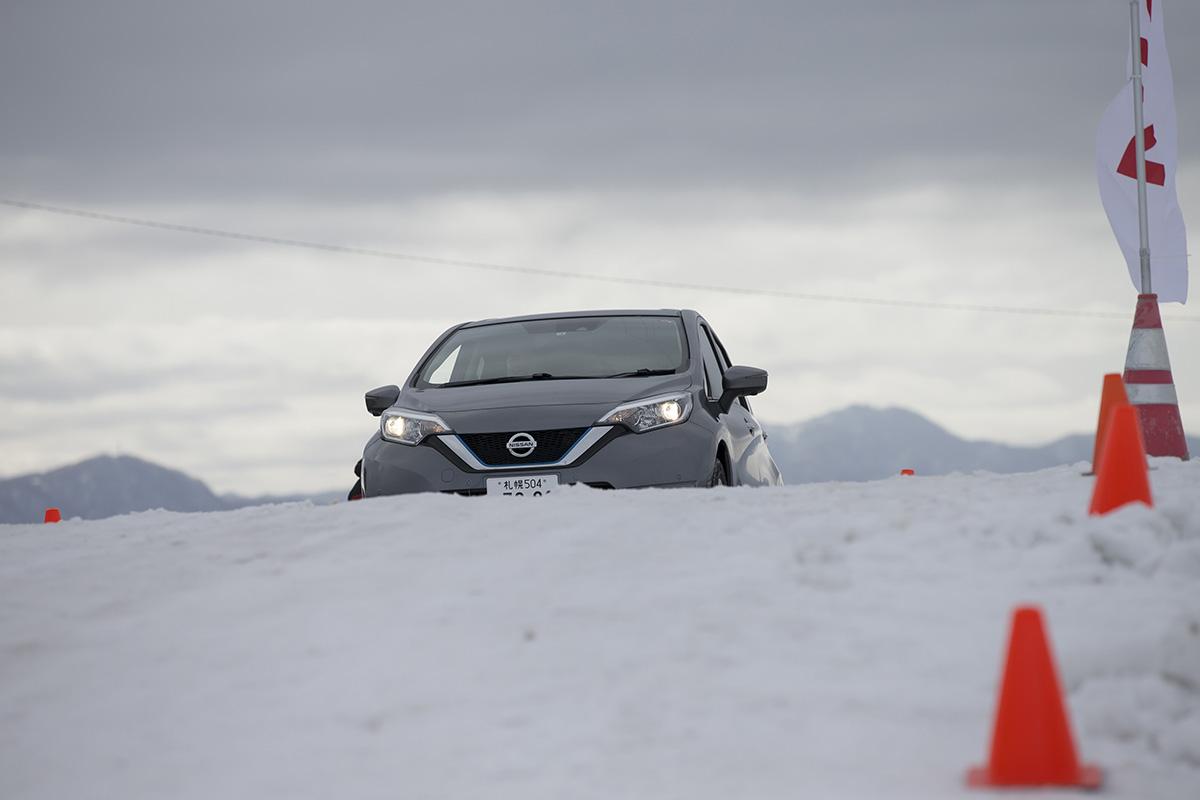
[{"x": 558, "y": 348}]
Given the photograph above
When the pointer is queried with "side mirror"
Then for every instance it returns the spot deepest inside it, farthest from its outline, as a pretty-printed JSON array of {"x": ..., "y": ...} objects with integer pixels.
[
  {"x": 381, "y": 399},
  {"x": 741, "y": 381}
]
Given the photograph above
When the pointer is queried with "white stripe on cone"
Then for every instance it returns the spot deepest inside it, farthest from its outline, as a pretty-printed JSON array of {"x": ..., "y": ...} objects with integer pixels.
[
  {"x": 1150, "y": 394},
  {"x": 1147, "y": 349}
]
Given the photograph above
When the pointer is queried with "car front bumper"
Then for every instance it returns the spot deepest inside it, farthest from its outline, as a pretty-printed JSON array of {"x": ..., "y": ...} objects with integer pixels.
[{"x": 681, "y": 455}]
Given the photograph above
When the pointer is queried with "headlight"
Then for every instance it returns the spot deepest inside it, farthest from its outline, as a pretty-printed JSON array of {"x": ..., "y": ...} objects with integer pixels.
[
  {"x": 653, "y": 412},
  {"x": 410, "y": 427}
]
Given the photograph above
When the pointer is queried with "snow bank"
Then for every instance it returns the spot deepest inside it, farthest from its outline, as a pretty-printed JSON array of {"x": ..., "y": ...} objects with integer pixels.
[{"x": 835, "y": 640}]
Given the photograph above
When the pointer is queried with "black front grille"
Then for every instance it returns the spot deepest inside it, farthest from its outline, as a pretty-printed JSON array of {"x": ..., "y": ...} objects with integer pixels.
[{"x": 492, "y": 448}]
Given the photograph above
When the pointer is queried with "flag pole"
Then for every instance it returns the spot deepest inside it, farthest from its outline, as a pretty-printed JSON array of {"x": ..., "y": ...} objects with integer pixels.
[{"x": 1139, "y": 138}]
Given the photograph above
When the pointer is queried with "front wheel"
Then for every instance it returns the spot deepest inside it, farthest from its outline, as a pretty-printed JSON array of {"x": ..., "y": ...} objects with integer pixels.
[
  {"x": 719, "y": 476},
  {"x": 356, "y": 491}
]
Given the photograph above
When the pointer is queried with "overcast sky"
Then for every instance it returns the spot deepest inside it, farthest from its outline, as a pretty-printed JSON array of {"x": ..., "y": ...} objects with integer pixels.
[{"x": 912, "y": 151}]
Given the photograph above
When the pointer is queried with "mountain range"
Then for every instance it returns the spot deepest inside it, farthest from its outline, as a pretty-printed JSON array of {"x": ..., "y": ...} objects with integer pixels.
[
  {"x": 104, "y": 486},
  {"x": 858, "y": 443},
  {"x": 861, "y": 443}
]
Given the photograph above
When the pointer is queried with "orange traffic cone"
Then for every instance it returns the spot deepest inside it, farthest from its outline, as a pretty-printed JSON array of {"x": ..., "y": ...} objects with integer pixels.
[
  {"x": 1113, "y": 394},
  {"x": 1122, "y": 476},
  {"x": 1031, "y": 742},
  {"x": 52, "y": 515}
]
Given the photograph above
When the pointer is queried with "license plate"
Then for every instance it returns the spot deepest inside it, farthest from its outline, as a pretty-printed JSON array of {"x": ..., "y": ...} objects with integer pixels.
[{"x": 525, "y": 486}]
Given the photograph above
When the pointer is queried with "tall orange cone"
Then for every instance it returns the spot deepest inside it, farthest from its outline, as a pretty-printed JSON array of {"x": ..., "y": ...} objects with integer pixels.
[
  {"x": 1150, "y": 385},
  {"x": 1031, "y": 742},
  {"x": 1122, "y": 476},
  {"x": 1113, "y": 394}
]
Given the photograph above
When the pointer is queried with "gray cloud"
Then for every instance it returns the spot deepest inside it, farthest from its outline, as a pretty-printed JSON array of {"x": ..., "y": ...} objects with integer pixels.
[{"x": 152, "y": 101}]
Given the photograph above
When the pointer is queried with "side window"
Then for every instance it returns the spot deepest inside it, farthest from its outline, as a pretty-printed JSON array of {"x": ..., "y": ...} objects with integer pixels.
[
  {"x": 723, "y": 357},
  {"x": 443, "y": 371},
  {"x": 713, "y": 374}
]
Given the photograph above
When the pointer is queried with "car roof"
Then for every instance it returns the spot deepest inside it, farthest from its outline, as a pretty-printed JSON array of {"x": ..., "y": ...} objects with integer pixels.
[{"x": 628, "y": 312}]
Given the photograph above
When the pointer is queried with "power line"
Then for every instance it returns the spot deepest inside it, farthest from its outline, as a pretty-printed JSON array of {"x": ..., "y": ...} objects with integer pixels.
[{"x": 565, "y": 275}]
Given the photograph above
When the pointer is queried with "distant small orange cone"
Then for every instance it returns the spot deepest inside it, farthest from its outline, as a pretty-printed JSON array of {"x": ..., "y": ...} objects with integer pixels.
[
  {"x": 52, "y": 515},
  {"x": 1031, "y": 742},
  {"x": 1122, "y": 476},
  {"x": 907, "y": 472},
  {"x": 1113, "y": 394}
]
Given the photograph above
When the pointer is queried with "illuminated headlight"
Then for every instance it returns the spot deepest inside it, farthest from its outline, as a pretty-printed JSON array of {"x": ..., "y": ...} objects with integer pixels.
[
  {"x": 410, "y": 427},
  {"x": 653, "y": 412}
]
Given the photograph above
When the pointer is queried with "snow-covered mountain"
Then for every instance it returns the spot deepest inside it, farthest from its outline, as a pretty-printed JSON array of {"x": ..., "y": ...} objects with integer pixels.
[
  {"x": 105, "y": 486},
  {"x": 862, "y": 443}
]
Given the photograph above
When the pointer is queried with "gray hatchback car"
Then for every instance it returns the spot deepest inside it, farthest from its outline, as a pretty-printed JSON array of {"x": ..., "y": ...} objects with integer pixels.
[{"x": 611, "y": 399}]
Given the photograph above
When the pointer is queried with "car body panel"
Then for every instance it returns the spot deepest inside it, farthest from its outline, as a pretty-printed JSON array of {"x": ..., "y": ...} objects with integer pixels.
[
  {"x": 681, "y": 455},
  {"x": 582, "y": 401}
]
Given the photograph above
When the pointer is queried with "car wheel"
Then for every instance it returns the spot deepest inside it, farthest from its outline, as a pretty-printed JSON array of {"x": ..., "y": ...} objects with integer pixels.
[
  {"x": 356, "y": 492},
  {"x": 718, "y": 477}
]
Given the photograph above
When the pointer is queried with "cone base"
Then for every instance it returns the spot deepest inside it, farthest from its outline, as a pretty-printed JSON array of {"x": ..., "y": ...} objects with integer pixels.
[
  {"x": 1090, "y": 777},
  {"x": 1100, "y": 509},
  {"x": 1092, "y": 474},
  {"x": 1162, "y": 430}
]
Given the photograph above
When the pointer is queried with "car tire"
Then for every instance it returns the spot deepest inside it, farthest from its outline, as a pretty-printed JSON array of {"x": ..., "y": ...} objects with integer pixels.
[{"x": 718, "y": 477}]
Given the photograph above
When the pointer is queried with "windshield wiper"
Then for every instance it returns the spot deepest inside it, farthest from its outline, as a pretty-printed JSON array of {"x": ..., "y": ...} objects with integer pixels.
[
  {"x": 537, "y": 376},
  {"x": 546, "y": 376},
  {"x": 643, "y": 372}
]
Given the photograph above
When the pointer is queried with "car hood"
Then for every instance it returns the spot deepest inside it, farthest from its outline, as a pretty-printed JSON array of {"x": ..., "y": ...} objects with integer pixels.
[{"x": 536, "y": 405}]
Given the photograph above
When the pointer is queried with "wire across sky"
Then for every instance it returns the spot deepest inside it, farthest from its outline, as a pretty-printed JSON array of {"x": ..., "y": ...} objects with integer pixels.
[{"x": 568, "y": 275}]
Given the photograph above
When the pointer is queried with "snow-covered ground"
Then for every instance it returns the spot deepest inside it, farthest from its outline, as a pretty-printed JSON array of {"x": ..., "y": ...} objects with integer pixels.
[{"x": 824, "y": 641}]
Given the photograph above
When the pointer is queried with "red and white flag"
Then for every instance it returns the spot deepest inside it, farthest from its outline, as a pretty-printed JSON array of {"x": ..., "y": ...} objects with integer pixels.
[{"x": 1116, "y": 167}]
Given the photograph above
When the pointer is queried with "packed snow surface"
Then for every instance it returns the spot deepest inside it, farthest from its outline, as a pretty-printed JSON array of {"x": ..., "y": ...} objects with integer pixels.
[{"x": 824, "y": 641}]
